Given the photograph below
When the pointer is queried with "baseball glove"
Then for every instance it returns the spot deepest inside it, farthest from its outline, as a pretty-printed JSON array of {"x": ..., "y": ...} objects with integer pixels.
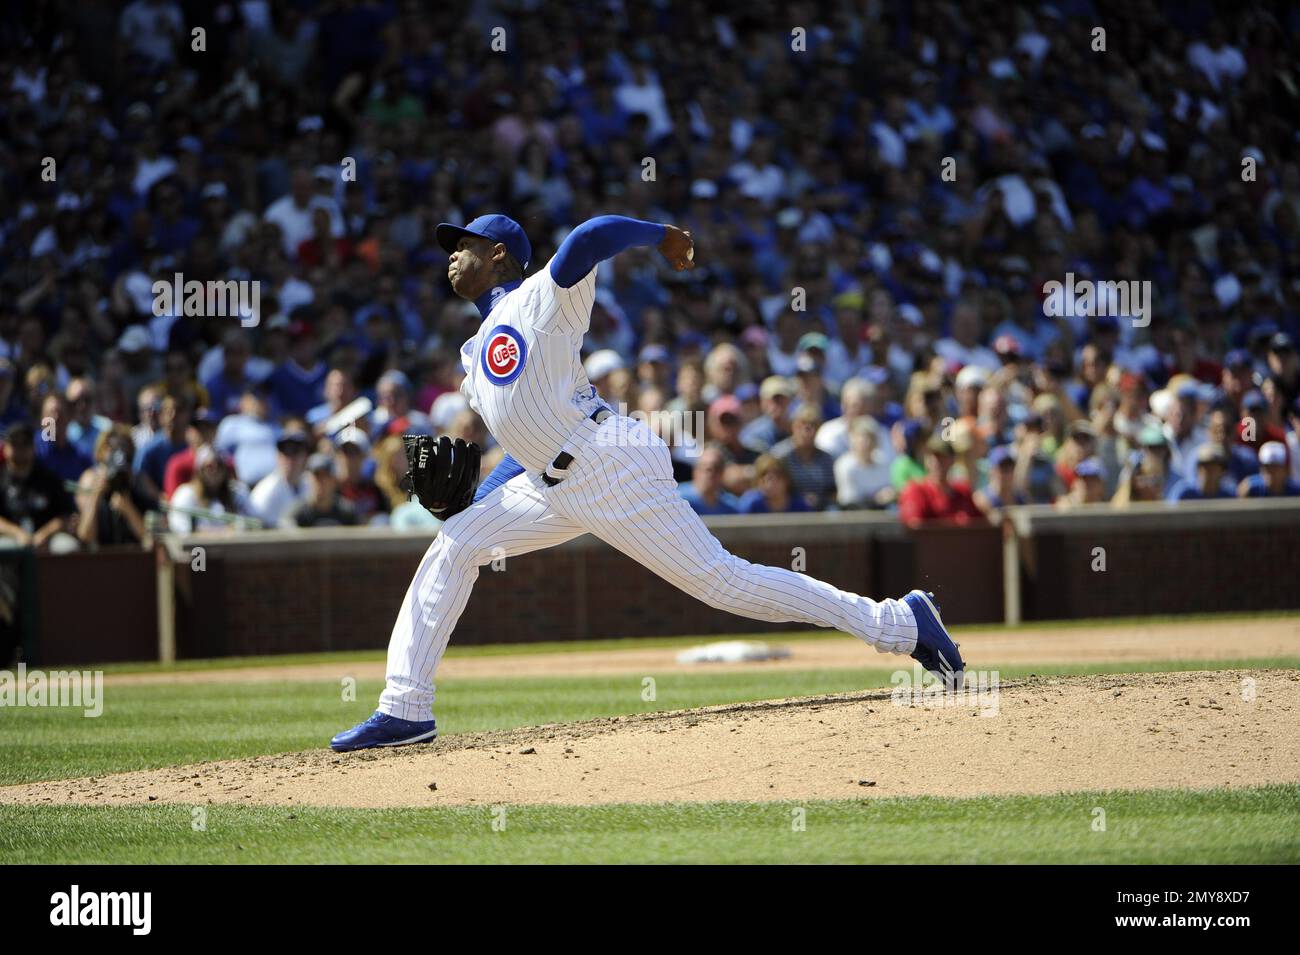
[{"x": 440, "y": 473}]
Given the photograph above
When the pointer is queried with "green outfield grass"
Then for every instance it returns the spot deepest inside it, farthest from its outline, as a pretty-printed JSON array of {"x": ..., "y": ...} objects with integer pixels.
[
  {"x": 1210, "y": 826},
  {"x": 150, "y": 726}
]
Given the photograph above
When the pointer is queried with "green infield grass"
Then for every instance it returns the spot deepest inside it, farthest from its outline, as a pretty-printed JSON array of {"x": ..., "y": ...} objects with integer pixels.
[{"x": 1176, "y": 826}]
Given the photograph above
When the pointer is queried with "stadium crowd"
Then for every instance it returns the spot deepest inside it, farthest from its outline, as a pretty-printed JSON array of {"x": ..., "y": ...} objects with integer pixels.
[{"x": 879, "y": 195}]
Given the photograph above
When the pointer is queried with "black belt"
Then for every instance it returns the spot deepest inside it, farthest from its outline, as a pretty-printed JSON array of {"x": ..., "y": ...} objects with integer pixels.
[{"x": 554, "y": 474}]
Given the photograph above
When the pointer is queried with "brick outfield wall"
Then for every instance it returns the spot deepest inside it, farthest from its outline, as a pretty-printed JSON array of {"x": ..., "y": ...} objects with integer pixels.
[
  {"x": 1187, "y": 571},
  {"x": 1212, "y": 559},
  {"x": 314, "y": 591}
]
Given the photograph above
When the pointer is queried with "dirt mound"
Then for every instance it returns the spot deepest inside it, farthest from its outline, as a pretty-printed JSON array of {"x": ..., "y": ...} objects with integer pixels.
[{"x": 1041, "y": 735}]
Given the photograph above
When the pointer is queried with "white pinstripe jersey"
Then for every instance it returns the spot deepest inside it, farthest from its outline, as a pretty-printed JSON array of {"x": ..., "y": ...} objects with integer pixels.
[{"x": 523, "y": 369}]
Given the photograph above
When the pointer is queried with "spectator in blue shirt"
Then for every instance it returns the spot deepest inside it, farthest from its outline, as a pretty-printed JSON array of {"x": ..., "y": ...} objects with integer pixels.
[
  {"x": 84, "y": 426},
  {"x": 340, "y": 391},
  {"x": 1222, "y": 429},
  {"x": 59, "y": 454},
  {"x": 704, "y": 491},
  {"x": 227, "y": 386},
  {"x": 1001, "y": 490},
  {"x": 1211, "y": 477},
  {"x": 298, "y": 384},
  {"x": 173, "y": 230},
  {"x": 1272, "y": 479},
  {"x": 602, "y": 117},
  {"x": 12, "y": 408},
  {"x": 1148, "y": 476},
  {"x": 773, "y": 425},
  {"x": 151, "y": 459},
  {"x": 773, "y": 492},
  {"x": 248, "y": 438}
]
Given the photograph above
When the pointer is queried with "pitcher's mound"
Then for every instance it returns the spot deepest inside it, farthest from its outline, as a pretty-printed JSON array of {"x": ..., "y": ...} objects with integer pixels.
[{"x": 1041, "y": 735}]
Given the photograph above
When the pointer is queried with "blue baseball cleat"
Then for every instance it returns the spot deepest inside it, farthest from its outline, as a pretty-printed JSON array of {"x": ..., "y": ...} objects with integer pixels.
[
  {"x": 384, "y": 730},
  {"x": 935, "y": 649}
]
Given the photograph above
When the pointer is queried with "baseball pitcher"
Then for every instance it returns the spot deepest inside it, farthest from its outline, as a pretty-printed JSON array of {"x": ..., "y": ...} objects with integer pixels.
[{"x": 575, "y": 467}]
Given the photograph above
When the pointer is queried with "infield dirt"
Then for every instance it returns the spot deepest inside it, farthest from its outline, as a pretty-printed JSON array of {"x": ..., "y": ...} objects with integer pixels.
[
  {"x": 1046, "y": 734},
  {"x": 996, "y": 646}
]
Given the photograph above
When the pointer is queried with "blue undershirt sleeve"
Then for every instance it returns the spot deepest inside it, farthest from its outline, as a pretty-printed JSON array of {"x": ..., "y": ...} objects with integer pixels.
[
  {"x": 507, "y": 468},
  {"x": 595, "y": 241}
]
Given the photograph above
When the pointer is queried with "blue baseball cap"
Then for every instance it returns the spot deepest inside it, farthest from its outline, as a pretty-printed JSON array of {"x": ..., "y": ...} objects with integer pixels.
[
  {"x": 497, "y": 228},
  {"x": 1090, "y": 467},
  {"x": 1237, "y": 358},
  {"x": 1155, "y": 371},
  {"x": 655, "y": 353},
  {"x": 1254, "y": 400},
  {"x": 1264, "y": 329},
  {"x": 875, "y": 374}
]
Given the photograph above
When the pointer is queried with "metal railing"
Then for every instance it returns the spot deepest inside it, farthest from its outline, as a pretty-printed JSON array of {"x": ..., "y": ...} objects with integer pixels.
[{"x": 153, "y": 517}]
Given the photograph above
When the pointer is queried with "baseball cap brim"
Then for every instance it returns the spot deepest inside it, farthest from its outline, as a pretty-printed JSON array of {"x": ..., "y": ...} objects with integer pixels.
[
  {"x": 495, "y": 228},
  {"x": 448, "y": 235}
]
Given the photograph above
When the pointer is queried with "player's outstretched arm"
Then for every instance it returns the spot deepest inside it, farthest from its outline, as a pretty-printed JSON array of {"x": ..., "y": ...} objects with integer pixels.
[{"x": 606, "y": 236}]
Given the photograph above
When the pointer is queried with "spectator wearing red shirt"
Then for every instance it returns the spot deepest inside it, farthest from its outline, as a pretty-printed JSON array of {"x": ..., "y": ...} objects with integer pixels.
[
  {"x": 323, "y": 249},
  {"x": 180, "y": 466},
  {"x": 1187, "y": 356},
  {"x": 934, "y": 497},
  {"x": 356, "y": 486},
  {"x": 1080, "y": 445},
  {"x": 1259, "y": 424}
]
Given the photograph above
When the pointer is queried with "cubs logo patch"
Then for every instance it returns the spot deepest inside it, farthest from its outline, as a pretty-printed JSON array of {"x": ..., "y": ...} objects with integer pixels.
[{"x": 503, "y": 355}]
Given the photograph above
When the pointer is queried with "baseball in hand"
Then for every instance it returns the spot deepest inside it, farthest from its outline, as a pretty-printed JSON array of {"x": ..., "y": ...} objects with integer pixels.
[{"x": 678, "y": 247}]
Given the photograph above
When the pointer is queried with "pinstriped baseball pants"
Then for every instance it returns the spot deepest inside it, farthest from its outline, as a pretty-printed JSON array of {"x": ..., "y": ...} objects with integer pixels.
[{"x": 619, "y": 488}]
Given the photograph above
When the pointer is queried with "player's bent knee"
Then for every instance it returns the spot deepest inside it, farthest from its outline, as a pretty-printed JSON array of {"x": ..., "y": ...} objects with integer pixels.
[
  {"x": 463, "y": 550},
  {"x": 722, "y": 581}
]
